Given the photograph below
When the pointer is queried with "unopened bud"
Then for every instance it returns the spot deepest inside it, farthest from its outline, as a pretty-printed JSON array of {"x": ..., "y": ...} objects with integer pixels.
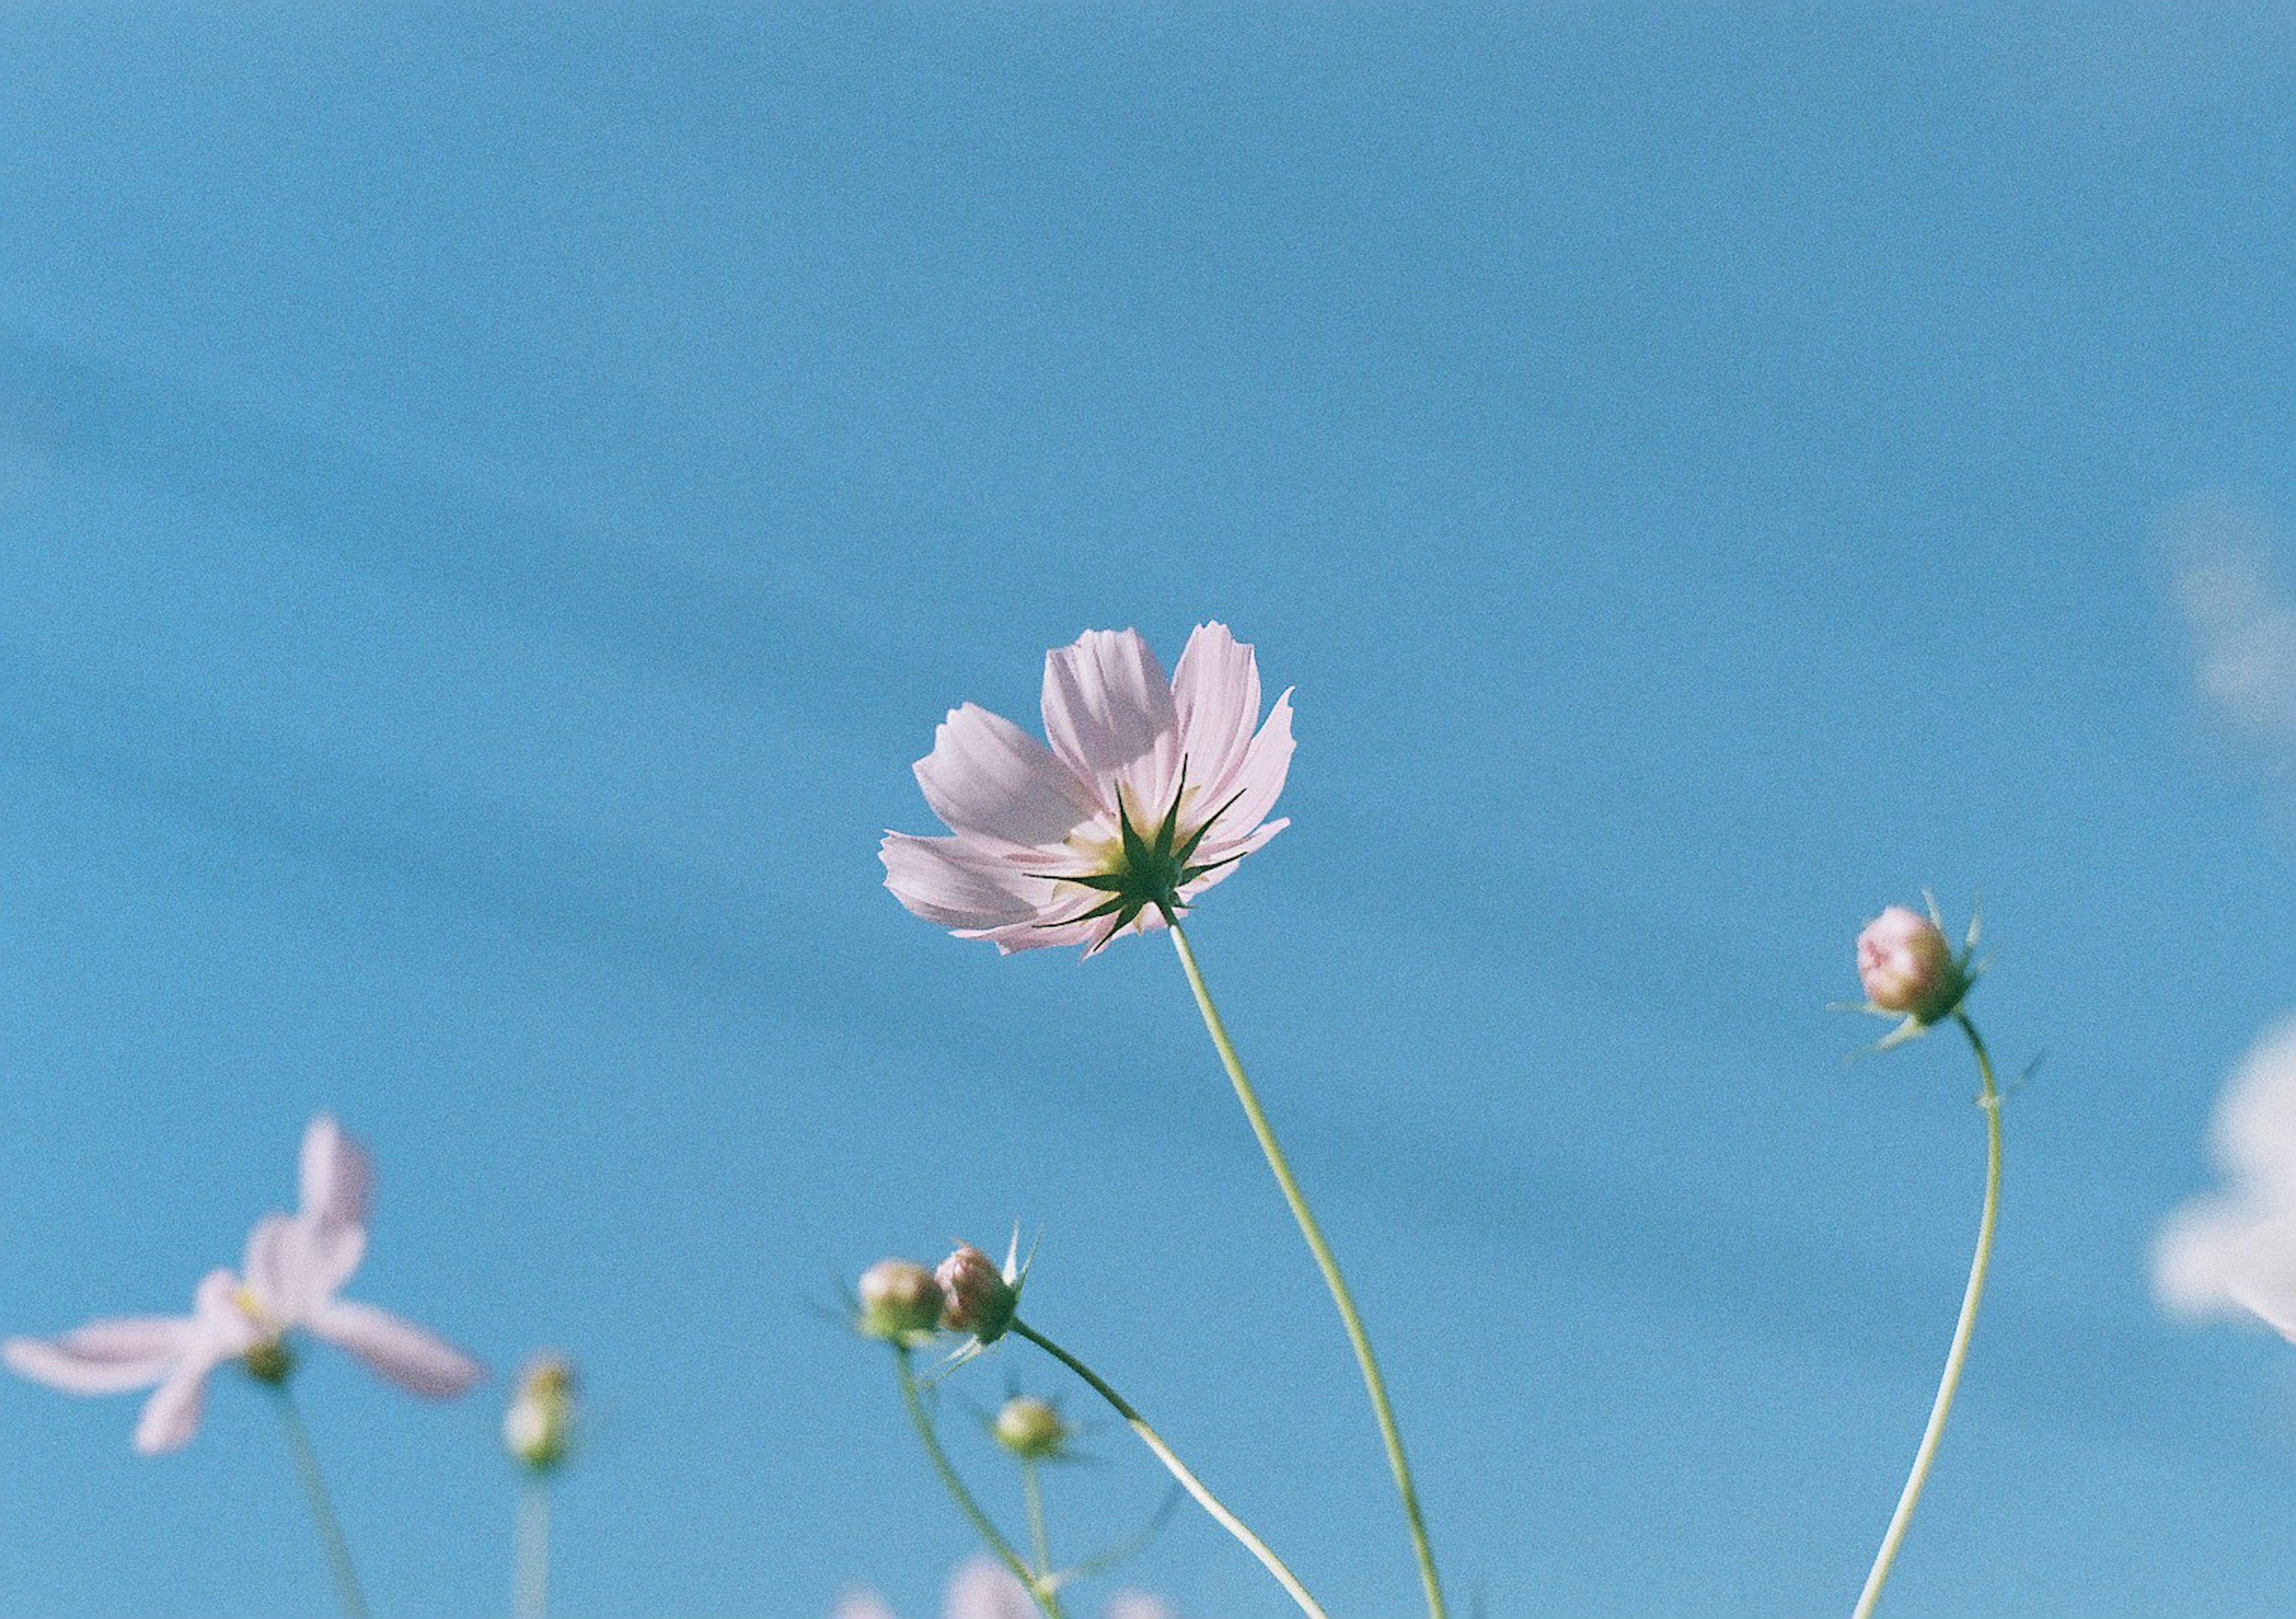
[
  {"x": 538, "y": 1427},
  {"x": 1030, "y": 1429},
  {"x": 976, "y": 1298},
  {"x": 900, "y": 1301},
  {"x": 1906, "y": 966}
]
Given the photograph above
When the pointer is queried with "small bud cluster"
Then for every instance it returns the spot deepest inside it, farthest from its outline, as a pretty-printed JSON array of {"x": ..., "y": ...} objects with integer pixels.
[{"x": 903, "y": 1303}]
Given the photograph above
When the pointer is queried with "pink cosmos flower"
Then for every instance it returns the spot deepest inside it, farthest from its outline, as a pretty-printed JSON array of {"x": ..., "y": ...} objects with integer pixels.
[
  {"x": 295, "y": 1264},
  {"x": 983, "y": 1589},
  {"x": 1149, "y": 794}
]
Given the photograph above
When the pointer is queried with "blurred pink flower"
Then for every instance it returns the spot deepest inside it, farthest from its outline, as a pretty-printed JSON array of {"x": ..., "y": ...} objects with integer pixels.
[
  {"x": 1149, "y": 794},
  {"x": 983, "y": 1589},
  {"x": 293, "y": 1268}
]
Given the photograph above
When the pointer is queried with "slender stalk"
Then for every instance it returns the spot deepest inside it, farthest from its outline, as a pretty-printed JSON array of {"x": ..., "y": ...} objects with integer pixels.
[
  {"x": 1178, "y": 1468},
  {"x": 1040, "y": 1590},
  {"x": 1373, "y": 1384},
  {"x": 530, "y": 1589},
  {"x": 1989, "y": 1102},
  {"x": 322, "y": 1512},
  {"x": 1039, "y": 1540}
]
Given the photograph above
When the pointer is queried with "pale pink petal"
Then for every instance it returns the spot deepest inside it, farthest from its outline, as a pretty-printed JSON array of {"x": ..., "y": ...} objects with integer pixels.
[
  {"x": 1137, "y": 1604},
  {"x": 397, "y": 1349},
  {"x": 959, "y": 883},
  {"x": 1108, "y": 716},
  {"x": 983, "y": 1589},
  {"x": 861, "y": 1605},
  {"x": 216, "y": 1310},
  {"x": 337, "y": 1177},
  {"x": 333, "y": 1255},
  {"x": 282, "y": 1269},
  {"x": 2262, "y": 1277},
  {"x": 294, "y": 1261},
  {"x": 102, "y": 1357},
  {"x": 987, "y": 777},
  {"x": 1216, "y": 693},
  {"x": 1224, "y": 857},
  {"x": 171, "y": 1416},
  {"x": 1259, "y": 779}
]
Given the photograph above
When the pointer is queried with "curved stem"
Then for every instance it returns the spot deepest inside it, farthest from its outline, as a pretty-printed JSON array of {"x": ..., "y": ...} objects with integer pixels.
[
  {"x": 322, "y": 1512},
  {"x": 1373, "y": 1384},
  {"x": 1040, "y": 1590},
  {"x": 532, "y": 1587},
  {"x": 1990, "y": 1100},
  {"x": 1178, "y": 1468}
]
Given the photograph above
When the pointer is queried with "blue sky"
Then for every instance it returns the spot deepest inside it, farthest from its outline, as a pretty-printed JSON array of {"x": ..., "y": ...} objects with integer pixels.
[{"x": 492, "y": 504}]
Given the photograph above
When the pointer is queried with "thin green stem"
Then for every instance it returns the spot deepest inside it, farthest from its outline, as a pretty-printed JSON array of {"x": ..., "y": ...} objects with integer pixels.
[
  {"x": 1373, "y": 1384},
  {"x": 1039, "y": 1540},
  {"x": 322, "y": 1512},
  {"x": 1040, "y": 1590},
  {"x": 1990, "y": 1100},
  {"x": 530, "y": 1589},
  {"x": 1178, "y": 1468}
]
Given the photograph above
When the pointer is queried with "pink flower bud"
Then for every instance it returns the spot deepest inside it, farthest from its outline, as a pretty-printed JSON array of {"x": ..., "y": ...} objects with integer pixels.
[
  {"x": 1906, "y": 966},
  {"x": 900, "y": 1301},
  {"x": 978, "y": 1299}
]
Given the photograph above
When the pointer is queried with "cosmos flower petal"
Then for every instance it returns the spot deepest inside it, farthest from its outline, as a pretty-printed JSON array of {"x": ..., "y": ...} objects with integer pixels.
[
  {"x": 336, "y": 1176},
  {"x": 958, "y": 884},
  {"x": 1258, "y": 781},
  {"x": 983, "y": 1589},
  {"x": 1138, "y": 1605},
  {"x": 102, "y": 1357},
  {"x": 1110, "y": 718},
  {"x": 415, "y": 1359},
  {"x": 1215, "y": 694},
  {"x": 171, "y": 1416},
  {"x": 861, "y": 1605},
  {"x": 990, "y": 780},
  {"x": 280, "y": 1267},
  {"x": 1224, "y": 857},
  {"x": 2263, "y": 1281}
]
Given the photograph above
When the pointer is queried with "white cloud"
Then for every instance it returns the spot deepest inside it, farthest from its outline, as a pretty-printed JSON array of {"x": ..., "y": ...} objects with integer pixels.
[
  {"x": 2234, "y": 1251},
  {"x": 2239, "y": 620}
]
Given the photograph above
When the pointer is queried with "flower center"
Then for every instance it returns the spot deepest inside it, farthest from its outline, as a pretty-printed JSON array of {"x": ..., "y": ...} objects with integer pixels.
[
  {"x": 1141, "y": 870},
  {"x": 269, "y": 1360}
]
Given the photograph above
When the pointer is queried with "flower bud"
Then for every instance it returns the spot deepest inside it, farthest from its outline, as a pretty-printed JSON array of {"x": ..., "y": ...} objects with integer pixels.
[
  {"x": 1030, "y": 1429},
  {"x": 538, "y": 1427},
  {"x": 900, "y": 1301},
  {"x": 977, "y": 1298},
  {"x": 1906, "y": 966}
]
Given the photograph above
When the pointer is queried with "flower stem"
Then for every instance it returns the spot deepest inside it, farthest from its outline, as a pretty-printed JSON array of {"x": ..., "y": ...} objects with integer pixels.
[
  {"x": 1373, "y": 1384},
  {"x": 1990, "y": 1100},
  {"x": 530, "y": 1589},
  {"x": 1178, "y": 1468},
  {"x": 1038, "y": 1587},
  {"x": 1032, "y": 1491},
  {"x": 322, "y": 1512}
]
